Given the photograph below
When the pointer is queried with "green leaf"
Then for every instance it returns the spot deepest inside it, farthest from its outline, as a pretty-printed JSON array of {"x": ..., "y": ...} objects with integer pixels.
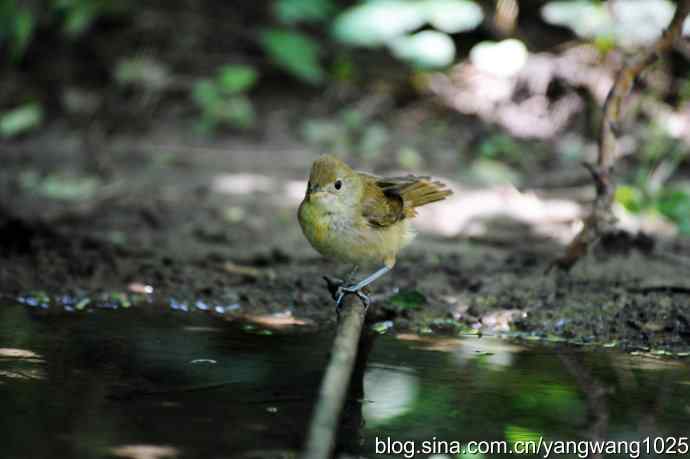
[
  {"x": 233, "y": 79},
  {"x": 453, "y": 16},
  {"x": 296, "y": 53},
  {"x": 427, "y": 49},
  {"x": 78, "y": 20},
  {"x": 630, "y": 198},
  {"x": 205, "y": 94},
  {"x": 409, "y": 299},
  {"x": 20, "y": 119},
  {"x": 24, "y": 23},
  {"x": 295, "y": 11},
  {"x": 675, "y": 205},
  {"x": 382, "y": 327},
  {"x": 376, "y": 23}
]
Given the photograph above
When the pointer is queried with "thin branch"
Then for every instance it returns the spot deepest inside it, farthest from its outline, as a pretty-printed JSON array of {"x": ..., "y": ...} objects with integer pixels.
[
  {"x": 325, "y": 421},
  {"x": 601, "y": 217}
]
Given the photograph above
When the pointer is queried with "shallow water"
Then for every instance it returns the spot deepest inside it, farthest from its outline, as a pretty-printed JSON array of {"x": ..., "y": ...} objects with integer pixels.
[{"x": 142, "y": 383}]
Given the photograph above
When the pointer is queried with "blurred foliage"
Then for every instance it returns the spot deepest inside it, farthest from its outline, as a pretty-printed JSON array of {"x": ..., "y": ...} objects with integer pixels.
[
  {"x": 143, "y": 72},
  {"x": 647, "y": 189},
  {"x": 500, "y": 146},
  {"x": 391, "y": 23},
  {"x": 297, "y": 11},
  {"x": 59, "y": 187},
  {"x": 351, "y": 132},
  {"x": 223, "y": 100},
  {"x": 672, "y": 202},
  {"x": 315, "y": 42},
  {"x": 20, "y": 119},
  {"x": 78, "y": 15},
  {"x": 624, "y": 23},
  {"x": 16, "y": 27},
  {"x": 294, "y": 52},
  {"x": 407, "y": 299},
  {"x": 290, "y": 37},
  {"x": 19, "y": 20}
]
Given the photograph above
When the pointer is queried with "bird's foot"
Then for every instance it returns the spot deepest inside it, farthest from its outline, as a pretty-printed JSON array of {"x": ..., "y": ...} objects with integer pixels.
[
  {"x": 339, "y": 290},
  {"x": 343, "y": 291}
]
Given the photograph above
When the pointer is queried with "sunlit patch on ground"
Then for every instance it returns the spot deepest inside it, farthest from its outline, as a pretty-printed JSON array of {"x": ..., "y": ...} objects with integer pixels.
[
  {"x": 464, "y": 213},
  {"x": 20, "y": 356},
  {"x": 646, "y": 361},
  {"x": 279, "y": 321},
  {"x": 428, "y": 343},
  {"x": 27, "y": 374},
  {"x": 145, "y": 451},
  {"x": 18, "y": 353},
  {"x": 242, "y": 183}
]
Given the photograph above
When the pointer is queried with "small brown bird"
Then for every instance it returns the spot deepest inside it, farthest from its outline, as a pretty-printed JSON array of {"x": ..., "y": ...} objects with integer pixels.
[{"x": 362, "y": 219}]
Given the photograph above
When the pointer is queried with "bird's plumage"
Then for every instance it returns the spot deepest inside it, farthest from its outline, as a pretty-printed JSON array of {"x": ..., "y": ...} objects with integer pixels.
[
  {"x": 395, "y": 198},
  {"x": 361, "y": 218}
]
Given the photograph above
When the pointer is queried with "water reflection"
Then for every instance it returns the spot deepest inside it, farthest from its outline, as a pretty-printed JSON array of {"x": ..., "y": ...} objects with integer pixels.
[
  {"x": 390, "y": 393},
  {"x": 163, "y": 383}
]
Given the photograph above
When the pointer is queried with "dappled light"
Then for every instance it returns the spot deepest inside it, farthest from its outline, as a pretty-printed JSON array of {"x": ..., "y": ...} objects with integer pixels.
[
  {"x": 23, "y": 354},
  {"x": 504, "y": 84},
  {"x": 467, "y": 212},
  {"x": 495, "y": 353},
  {"x": 27, "y": 375},
  {"x": 343, "y": 228},
  {"x": 242, "y": 183},
  {"x": 279, "y": 321},
  {"x": 390, "y": 393},
  {"x": 145, "y": 452}
]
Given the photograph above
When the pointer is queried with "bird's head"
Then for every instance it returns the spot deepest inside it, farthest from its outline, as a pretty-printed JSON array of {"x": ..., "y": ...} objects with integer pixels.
[{"x": 333, "y": 184}]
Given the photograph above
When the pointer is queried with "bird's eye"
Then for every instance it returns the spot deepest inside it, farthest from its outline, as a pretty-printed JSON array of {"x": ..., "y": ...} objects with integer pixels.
[{"x": 338, "y": 184}]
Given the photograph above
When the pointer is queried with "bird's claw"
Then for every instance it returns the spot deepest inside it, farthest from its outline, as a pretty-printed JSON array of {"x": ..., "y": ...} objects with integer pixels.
[
  {"x": 343, "y": 291},
  {"x": 339, "y": 291}
]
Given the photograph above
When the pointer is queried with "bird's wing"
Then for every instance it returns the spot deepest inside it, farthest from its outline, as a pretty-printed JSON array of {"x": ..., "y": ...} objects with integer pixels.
[
  {"x": 388, "y": 200},
  {"x": 380, "y": 208}
]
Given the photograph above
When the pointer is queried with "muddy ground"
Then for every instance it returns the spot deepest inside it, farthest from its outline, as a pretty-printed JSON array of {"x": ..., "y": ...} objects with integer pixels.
[{"x": 216, "y": 221}]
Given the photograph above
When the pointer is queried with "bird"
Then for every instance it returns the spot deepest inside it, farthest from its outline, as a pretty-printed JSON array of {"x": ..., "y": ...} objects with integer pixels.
[{"x": 362, "y": 219}]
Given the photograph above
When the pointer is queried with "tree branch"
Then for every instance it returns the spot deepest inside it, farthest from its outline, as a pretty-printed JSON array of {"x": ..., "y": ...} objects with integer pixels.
[
  {"x": 601, "y": 217},
  {"x": 326, "y": 418}
]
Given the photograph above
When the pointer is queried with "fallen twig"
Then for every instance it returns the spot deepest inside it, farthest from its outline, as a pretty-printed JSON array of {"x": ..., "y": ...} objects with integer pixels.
[
  {"x": 326, "y": 418},
  {"x": 601, "y": 217}
]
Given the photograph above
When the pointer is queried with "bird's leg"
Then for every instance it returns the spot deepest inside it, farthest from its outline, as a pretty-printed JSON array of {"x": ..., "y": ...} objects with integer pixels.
[
  {"x": 352, "y": 274},
  {"x": 342, "y": 291}
]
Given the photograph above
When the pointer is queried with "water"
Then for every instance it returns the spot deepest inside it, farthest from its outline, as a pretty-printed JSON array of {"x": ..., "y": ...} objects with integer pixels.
[{"x": 145, "y": 383}]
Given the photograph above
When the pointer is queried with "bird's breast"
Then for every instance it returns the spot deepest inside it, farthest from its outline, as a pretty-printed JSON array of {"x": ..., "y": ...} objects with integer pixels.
[
  {"x": 349, "y": 237},
  {"x": 315, "y": 223}
]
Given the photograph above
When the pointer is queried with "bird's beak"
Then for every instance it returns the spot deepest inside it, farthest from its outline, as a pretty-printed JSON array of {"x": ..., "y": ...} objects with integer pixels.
[
  {"x": 311, "y": 191},
  {"x": 315, "y": 196}
]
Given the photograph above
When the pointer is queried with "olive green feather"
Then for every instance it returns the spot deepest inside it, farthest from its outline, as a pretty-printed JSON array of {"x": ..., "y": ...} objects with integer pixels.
[{"x": 388, "y": 200}]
